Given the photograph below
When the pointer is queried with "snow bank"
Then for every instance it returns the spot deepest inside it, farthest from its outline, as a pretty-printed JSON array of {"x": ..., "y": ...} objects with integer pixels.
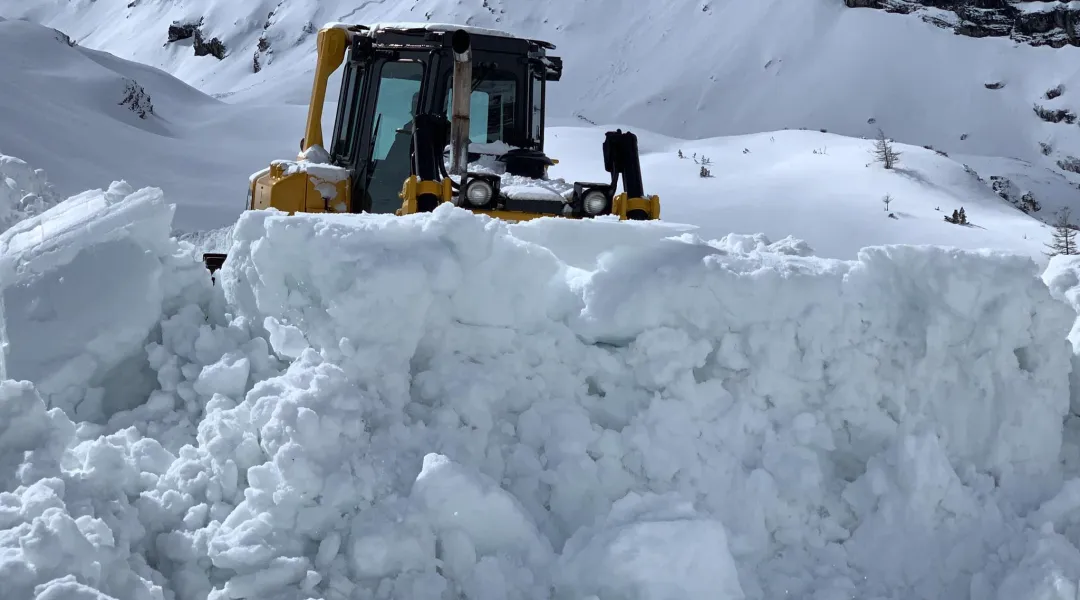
[
  {"x": 796, "y": 400},
  {"x": 432, "y": 407},
  {"x": 81, "y": 286}
]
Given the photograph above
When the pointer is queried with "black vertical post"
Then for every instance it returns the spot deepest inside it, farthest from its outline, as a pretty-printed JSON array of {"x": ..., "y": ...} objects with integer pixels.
[
  {"x": 425, "y": 155},
  {"x": 621, "y": 158}
]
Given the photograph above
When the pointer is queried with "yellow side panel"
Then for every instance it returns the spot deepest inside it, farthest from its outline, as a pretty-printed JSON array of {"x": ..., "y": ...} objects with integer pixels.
[
  {"x": 299, "y": 192},
  {"x": 286, "y": 193}
]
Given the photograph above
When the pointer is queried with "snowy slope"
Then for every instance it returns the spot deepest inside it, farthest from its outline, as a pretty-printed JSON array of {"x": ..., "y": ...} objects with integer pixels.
[
  {"x": 688, "y": 70},
  {"x": 200, "y": 151},
  {"x": 476, "y": 418},
  {"x": 824, "y": 189},
  {"x": 64, "y": 111}
]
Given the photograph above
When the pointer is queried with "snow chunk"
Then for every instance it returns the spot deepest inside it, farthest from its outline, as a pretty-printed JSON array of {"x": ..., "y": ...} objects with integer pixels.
[
  {"x": 315, "y": 161},
  {"x": 1062, "y": 277},
  {"x": 24, "y": 191},
  {"x": 515, "y": 187},
  {"x": 66, "y": 527},
  {"x": 653, "y": 548},
  {"x": 81, "y": 286},
  {"x": 1050, "y": 569},
  {"x": 458, "y": 499}
]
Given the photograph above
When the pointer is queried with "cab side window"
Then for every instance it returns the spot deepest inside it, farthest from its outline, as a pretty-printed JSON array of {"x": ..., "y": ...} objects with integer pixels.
[{"x": 491, "y": 106}]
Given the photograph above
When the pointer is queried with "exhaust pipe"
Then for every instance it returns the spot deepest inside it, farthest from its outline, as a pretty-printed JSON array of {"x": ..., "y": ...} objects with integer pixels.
[{"x": 462, "y": 90}]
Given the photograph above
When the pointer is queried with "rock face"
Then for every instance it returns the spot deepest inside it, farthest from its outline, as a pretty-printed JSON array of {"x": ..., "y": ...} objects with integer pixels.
[
  {"x": 1054, "y": 23},
  {"x": 182, "y": 31},
  {"x": 136, "y": 99}
]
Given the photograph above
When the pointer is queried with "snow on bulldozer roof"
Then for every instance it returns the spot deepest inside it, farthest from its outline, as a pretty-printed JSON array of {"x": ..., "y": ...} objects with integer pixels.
[{"x": 405, "y": 26}]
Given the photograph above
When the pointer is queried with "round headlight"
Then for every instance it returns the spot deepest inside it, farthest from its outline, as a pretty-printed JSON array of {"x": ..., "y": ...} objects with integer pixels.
[
  {"x": 595, "y": 202},
  {"x": 478, "y": 192}
]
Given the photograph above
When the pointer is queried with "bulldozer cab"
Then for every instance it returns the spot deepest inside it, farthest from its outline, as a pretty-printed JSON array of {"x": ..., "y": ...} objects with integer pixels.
[
  {"x": 387, "y": 150},
  {"x": 393, "y": 73}
]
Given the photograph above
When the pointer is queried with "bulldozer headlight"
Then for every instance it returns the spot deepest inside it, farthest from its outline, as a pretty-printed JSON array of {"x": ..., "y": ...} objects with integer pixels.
[
  {"x": 481, "y": 191},
  {"x": 595, "y": 202},
  {"x": 478, "y": 192},
  {"x": 592, "y": 199}
]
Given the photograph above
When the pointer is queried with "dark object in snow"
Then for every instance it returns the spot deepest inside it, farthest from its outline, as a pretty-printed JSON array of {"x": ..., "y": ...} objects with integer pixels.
[
  {"x": 179, "y": 31},
  {"x": 884, "y": 152},
  {"x": 959, "y": 217},
  {"x": 1069, "y": 163},
  {"x": 1064, "y": 236},
  {"x": 1055, "y": 27},
  {"x": 136, "y": 99},
  {"x": 1055, "y": 115}
]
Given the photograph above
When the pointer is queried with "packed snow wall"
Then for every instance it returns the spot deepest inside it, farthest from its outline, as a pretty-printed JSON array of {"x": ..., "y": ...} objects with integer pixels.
[{"x": 434, "y": 407}]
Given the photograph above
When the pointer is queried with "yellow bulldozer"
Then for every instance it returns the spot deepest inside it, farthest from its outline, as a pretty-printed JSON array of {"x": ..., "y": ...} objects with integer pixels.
[{"x": 410, "y": 95}]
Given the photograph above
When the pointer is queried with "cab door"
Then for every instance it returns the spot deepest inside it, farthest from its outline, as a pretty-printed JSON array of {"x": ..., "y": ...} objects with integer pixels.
[{"x": 393, "y": 90}]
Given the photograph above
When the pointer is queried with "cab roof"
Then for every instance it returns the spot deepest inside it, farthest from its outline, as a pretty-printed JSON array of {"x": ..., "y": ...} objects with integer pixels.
[{"x": 417, "y": 27}]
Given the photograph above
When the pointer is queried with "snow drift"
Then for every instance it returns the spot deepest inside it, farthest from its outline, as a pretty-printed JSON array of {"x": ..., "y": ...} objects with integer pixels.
[{"x": 434, "y": 407}]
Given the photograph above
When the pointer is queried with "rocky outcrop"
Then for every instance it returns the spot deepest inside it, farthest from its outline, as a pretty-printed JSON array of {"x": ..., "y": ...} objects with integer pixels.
[
  {"x": 193, "y": 30},
  {"x": 1023, "y": 199},
  {"x": 136, "y": 99},
  {"x": 65, "y": 38},
  {"x": 264, "y": 54},
  {"x": 1053, "y": 23},
  {"x": 1070, "y": 164}
]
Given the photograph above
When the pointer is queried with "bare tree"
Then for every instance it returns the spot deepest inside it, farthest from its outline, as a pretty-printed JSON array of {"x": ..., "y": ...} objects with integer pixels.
[
  {"x": 884, "y": 152},
  {"x": 887, "y": 199},
  {"x": 1064, "y": 236}
]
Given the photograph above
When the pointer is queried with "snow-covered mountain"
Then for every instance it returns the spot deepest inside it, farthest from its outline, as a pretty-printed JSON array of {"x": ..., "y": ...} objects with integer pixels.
[
  {"x": 1054, "y": 23},
  {"x": 98, "y": 117},
  {"x": 87, "y": 117},
  {"x": 689, "y": 70}
]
